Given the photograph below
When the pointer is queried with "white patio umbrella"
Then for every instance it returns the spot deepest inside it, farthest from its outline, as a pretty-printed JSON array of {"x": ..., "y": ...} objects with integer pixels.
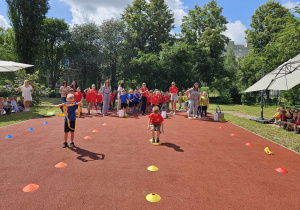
[
  {"x": 284, "y": 77},
  {"x": 10, "y": 66}
]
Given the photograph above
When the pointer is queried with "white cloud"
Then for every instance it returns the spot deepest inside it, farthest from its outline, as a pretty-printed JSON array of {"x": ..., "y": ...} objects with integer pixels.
[
  {"x": 290, "y": 4},
  {"x": 236, "y": 32},
  {"x": 3, "y": 22},
  {"x": 177, "y": 8},
  {"x": 84, "y": 11}
]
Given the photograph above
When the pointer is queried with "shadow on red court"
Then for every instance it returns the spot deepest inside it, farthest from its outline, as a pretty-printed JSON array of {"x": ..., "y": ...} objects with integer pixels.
[
  {"x": 174, "y": 146},
  {"x": 85, "y": 155}
]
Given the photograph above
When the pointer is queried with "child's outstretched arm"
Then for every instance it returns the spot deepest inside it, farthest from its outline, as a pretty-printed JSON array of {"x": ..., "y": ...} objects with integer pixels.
[
  {"x": 149, "y": 123},
  {"x": 80, "y": 104},
  {"x": 60, "y": 105}
]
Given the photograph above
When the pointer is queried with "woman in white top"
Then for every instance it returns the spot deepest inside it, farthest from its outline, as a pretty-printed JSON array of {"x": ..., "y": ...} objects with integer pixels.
[
  {"x": 193, "y": 101},
  {"x": 27, "y": 92},
  {"x": 120, "y": 88},
  {"x": 64, "y": 91}
]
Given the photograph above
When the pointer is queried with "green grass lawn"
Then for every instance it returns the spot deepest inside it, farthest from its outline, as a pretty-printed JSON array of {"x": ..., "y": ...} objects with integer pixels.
[
  {"x": 48, "y": 104},
  {"x": 273, "y": 133}
]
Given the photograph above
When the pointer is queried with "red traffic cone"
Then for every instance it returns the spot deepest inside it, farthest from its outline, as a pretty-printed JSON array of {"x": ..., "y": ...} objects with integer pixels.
[
  {"x": 249, "y": 144},
  {"x": 221, "y": 127},
  {"x": 233, "y": 134}
]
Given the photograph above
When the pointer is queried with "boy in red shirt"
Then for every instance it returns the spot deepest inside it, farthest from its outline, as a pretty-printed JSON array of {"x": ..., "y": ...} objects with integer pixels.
[
  {"x": 154, "y": 99},
  {"x": 149, "y": 99},
  {"x": 94, "y": 98},
  {"x": 88, "y": 99},
  {"x": 100, "y": 100},
  {"x": 112, "y": 99},
  {"x": 78, "y": 97},
  {"x": 167, "y": 100},
  {"x": 156, "y": 121}
]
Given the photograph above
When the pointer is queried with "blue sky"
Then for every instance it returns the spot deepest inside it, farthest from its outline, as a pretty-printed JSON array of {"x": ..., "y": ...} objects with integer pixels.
[{"x": 237, "y": 12}]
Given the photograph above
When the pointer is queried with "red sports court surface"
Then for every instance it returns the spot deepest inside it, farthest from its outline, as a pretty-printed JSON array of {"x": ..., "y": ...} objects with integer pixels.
[{"x": 200, "y": 166}]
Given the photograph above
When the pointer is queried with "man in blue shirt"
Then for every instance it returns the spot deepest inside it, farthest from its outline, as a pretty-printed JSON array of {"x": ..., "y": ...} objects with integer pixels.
[{"x": 70, "y": 118}]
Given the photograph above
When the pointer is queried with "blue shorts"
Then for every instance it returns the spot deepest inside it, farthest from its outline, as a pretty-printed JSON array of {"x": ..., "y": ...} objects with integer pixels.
[{"x": 186, "y": 104}]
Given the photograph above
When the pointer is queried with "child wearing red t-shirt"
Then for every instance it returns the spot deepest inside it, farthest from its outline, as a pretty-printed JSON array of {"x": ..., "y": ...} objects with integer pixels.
[
  {"x": 168, "y": 100},
  {"x": 155, "y": 122},
  {"x": 78, "y": 97},
  {"x": 100, "y": 100},
  {"x": 154, "y": 99},
  {"x": 88, "y": 100},
  {"x": 112, "y": 99},
  {"x": 164, "y": 101},
  {"x": 94, "y": 98},
  {"x": 149, "y": 98}
]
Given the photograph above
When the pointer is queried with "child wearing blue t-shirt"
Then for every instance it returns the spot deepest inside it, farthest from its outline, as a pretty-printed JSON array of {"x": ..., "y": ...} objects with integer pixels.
[
  {"x": 72, "y": 119},
  {"x": 124, "y": 98},
  {"x": 131, "y": 98},
  {"x": 136, "y": 100}
]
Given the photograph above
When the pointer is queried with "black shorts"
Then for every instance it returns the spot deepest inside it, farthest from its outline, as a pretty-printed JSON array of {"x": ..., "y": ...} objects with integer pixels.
[
  {"x": 131, "y": 104},
  {"x": 124, "y": 105},
  {"x": 136, "y": 103},
  {"x": 72, "y": 125}
]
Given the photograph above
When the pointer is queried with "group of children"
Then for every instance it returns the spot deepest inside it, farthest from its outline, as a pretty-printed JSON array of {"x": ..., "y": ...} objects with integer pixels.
[
  {"x": 95, "y": 98},
  {"x": 155, "y": 119},
  {"x": 7, "y": 105},
  {"x": 287, "y": 118}
]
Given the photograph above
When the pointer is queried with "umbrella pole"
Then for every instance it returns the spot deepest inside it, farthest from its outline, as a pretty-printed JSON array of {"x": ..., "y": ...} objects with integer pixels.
[
  {"x": 262, "y": 95},
  {"x": 262, "y": 105}
]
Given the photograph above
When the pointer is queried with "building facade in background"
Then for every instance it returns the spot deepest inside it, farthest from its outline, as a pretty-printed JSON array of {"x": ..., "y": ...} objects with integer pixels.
[{"x": 239, "y": 50}]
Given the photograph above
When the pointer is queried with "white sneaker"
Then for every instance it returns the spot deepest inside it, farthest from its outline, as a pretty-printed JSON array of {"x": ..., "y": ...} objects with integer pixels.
[
  {"x": 190, "y": 118},
  {"x": 174, "y": 113},
  {"x": 195, "y": 117},
  {"x": 170, "y": 112}
]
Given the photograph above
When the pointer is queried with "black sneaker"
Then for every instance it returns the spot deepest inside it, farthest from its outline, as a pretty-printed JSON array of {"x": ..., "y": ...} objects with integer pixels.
[
  {"x": 153, "y": 141},
  {"x": 65, "y": 144},
  {"x": 157, "y": 141},
  {"x": 72, "y": 144}
]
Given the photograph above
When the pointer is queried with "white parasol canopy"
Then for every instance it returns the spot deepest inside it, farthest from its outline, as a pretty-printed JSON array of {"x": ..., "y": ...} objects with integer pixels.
[
  {"x": 10, "y": 66},
  {"x": 284, "y": 77}
]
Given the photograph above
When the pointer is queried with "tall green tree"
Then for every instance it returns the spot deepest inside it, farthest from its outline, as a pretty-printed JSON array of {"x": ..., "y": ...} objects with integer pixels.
[
  {"x": 267, "y": 21},
  {"x": 206, "y": 25},
  {"x": 150, "y": 23},
  {"x": 203, "y": 28},
  {"x": 113, "y": 35},
  {"x": 137, "y": 23},
  {"x": 7, "y": 38},
  {"x": 27, "y": 19},
  {"x": 84, "y": 53},
  {"x": 52, "y": 58},
  {"x": 161, "y": 23}
]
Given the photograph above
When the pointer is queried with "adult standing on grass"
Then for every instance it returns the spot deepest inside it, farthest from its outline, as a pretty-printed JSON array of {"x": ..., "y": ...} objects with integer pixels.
[
  {"x": 120, "y": 88},
  {"x": 106, "y": 90},
  {"x": 194, "y": 98},
  {"x": 174, "y": 97},
  {"x": 64, "y": 91},
  {"x": 144, "y": 91},
  {"x": 27, "y": 92}
]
